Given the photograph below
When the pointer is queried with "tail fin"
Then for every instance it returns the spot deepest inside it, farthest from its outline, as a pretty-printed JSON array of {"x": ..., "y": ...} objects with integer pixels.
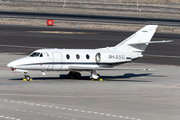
[{"x": 138, "y": 42}]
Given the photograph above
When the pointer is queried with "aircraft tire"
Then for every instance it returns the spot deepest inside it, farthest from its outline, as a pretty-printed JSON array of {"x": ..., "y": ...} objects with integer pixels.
[
  {"x": 78, "y": 75},
  {"x": 98, "y": 75},
  {"x": 28, "y": 78},
  {"x": 70, "y": 73}
]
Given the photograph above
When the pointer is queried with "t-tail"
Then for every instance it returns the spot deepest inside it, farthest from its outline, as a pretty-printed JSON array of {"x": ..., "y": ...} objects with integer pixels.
[{"x": 137, "y": 43}]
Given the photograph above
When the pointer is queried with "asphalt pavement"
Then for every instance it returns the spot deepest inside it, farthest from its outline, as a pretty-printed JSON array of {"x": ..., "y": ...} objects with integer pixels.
[
  {"x": 123, "y": 95},
  {"x": 25, "y": 39}
]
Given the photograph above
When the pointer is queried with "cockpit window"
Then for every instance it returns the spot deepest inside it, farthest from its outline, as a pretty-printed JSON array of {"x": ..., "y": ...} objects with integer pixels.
[
  {"x": 44, "y": 54},
  {"x": 41, "y": 55},
  {"x": 35, "y": 54}
]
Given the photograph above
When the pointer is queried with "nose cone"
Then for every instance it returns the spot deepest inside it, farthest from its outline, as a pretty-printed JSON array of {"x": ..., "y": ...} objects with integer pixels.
[
  {"x": 17, "y": 63},
  {"x": 10, "y": 65}
]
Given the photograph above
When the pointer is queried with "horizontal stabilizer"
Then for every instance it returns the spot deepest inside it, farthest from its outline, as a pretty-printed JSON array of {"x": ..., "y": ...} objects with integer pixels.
[{"x": 164, "y": 41}]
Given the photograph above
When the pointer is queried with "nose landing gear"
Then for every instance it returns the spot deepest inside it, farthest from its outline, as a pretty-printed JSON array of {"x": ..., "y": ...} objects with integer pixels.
[
  {"x": 95, "y": 76},
  {"x": 27, "y": 77}
]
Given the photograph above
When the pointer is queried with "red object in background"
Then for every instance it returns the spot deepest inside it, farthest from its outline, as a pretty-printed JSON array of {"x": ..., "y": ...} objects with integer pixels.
[{"x": 50, "y": 22}]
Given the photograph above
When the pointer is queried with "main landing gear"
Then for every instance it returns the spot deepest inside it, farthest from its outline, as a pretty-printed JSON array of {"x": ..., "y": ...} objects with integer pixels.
[
  {"x": 77, "y": 75},
  {"x": 74, "y": 74},
  {"x": 27, "y": 77}
]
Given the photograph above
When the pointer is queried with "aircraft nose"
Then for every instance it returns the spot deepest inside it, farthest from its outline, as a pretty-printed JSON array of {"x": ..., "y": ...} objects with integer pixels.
[{"x": 10, "y": 65}]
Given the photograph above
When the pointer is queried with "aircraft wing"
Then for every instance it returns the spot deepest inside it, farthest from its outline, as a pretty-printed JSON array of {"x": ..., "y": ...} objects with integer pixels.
[{"x": 77, "y": 68}]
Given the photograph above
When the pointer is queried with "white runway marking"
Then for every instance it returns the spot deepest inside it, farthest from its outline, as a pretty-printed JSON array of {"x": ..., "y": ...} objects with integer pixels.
[
  {"x": 82, "y": 110},
  {"x": 6, "y": 117},
  {"x": 63, "y": 108},
  {"x": 76, "y": 110},
  {"x": 114, "y": 115},
  {"x": 89, "y": 111},
  {"x": 102, "y": 113},
  {"x": 95, "y": 112},
  {"x": 33, "y": 112}
]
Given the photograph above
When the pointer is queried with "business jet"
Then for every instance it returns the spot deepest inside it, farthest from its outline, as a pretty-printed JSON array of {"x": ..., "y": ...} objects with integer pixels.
[{"x": 76, "y": 60}]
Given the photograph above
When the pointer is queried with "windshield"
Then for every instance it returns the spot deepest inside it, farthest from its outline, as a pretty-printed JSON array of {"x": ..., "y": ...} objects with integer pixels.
[{"x": 34, "y": 54}]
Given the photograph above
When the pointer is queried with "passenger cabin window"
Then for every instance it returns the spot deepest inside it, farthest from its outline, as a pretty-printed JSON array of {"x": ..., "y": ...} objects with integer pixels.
[
  {"x": 87, "y": 56},
  {"x": 77, "y": 56},
  {"x": 35, "y": 54},
  {"x": 67, "y": 56}
]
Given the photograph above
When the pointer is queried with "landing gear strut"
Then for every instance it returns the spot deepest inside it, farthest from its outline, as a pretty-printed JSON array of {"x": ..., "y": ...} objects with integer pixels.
[
  {"x": 27, "y": 77},
  {"x": 95, "y": 76},
  {"x": 73, "y": 74}
]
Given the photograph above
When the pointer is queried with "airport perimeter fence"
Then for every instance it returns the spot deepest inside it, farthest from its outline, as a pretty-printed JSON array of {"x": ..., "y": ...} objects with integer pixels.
[
  {"x": 131, "y": 5},
  {"x": 165, "y": 2}
]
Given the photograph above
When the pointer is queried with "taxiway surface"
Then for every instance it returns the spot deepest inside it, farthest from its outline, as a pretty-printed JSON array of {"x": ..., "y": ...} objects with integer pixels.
[
  {"x": 51, "y": 37},
  {"x": 123, "y": 95}
]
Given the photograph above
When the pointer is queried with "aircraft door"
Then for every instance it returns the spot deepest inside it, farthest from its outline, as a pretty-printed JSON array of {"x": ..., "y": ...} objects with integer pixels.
[{"x": 57, "y": 59}]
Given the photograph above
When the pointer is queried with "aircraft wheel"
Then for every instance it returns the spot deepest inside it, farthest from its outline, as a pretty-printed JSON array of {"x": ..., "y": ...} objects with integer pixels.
[
  {"x": 28, "y": 78},
  {"x": 99, "y": 78},
  {"x": 70, "y": 73},
  {"x": 78, "y": 75}
]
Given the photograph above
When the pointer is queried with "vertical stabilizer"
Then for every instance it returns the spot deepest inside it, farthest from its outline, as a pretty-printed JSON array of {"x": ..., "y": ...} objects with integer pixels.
[{"x": 138, "y": 42}]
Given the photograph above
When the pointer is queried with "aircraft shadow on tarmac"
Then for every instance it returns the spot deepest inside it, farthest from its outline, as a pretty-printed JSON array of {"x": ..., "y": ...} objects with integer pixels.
[{"x": 124, "y": 77}]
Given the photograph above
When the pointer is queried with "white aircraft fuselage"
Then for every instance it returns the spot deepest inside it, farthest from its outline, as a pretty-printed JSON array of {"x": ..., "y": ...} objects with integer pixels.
[
  {"x": 75, "y": 60},
  {"x": 62, "y": 59}
]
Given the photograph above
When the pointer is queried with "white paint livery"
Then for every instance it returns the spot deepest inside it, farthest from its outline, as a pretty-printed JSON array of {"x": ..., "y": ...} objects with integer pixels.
[{"x": 74, "y": 60}]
